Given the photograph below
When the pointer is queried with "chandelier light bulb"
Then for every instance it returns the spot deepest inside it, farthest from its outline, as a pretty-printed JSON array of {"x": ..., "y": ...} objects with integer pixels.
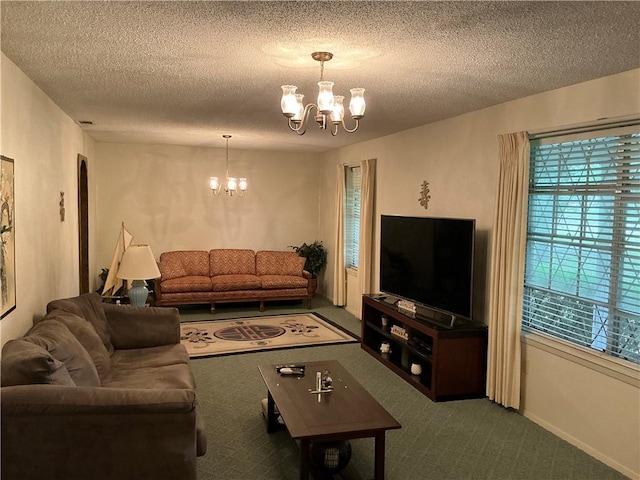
[
  {"x": 232, "y": 184},
  {"x": 297, "y": 117},
  {"x": 338, "y": 109},
  {"x": 215, "y": 185},
  {"x": 325, "y": 97},
  {"x": 357, "y": 104},
  {"x": 242, "y": 184},
  {"x": 289, "y": 103}
]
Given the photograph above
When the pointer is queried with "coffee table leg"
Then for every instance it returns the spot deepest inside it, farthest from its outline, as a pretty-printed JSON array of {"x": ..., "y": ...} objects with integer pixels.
[
  {"x": 272, "y": 420},
  {"x": 379, "y": 457},
  {"x": 305, "y": 458}
]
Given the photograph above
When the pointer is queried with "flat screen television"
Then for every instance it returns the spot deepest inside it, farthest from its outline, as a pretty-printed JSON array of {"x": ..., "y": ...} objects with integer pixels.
[{"x": 428, "y": 261}]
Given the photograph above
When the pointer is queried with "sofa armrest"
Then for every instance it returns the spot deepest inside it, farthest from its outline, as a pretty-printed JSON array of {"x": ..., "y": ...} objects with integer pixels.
[
  {"x": 157, "y": 287},
  {"x": 53, "y": 431},
  {"x": 307, "y": 275},
  {"x": 142, "y": 327}
]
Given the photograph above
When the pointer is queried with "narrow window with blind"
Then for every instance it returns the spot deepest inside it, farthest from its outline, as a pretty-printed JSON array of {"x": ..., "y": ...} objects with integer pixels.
[
  {"x": 352, "y": 216},
  {"x": 582, "y": 271}
]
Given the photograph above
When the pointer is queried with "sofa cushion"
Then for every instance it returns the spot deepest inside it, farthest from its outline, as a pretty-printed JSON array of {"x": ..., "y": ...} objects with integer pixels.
[
  {"x": 150, "y": 357},
  {"x": 230, "y": 261},
  {"x": 168, "y": 376},
  {"x": 227, "y": 283},
  {"x": 189, "y": 283},
  {"x": 88, "y": 306},
  {"x": 184, "y": 263},
  {"x": 279, "y": 263},
  {"x": 56, "y": 339},
  {"x": 25, "y": 363},
  {"x": 86, "y": 334},
  {"x": 270, "y": 282}
]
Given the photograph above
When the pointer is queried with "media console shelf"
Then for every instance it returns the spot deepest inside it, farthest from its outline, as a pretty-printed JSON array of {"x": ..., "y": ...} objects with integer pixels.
[{"x": 452, "y": 359}]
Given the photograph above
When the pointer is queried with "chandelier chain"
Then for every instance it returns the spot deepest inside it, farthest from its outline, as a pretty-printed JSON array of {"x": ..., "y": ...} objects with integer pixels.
[{"x": 227, "y": 138}]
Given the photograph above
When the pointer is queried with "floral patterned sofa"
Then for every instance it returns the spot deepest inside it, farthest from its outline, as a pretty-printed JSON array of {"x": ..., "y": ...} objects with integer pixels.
[{"x": 231, "y": 275}]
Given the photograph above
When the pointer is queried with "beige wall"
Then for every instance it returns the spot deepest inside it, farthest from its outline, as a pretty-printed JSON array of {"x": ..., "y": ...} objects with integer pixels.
[
  {"x": 162, "y": 194},
  {"x": 44, "y": 143},
  {"x": 458, "y": 157}
]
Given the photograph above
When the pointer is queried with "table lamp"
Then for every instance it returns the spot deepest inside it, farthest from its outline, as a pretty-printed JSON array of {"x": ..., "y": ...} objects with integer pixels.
[{"x": 138, "y": 265}]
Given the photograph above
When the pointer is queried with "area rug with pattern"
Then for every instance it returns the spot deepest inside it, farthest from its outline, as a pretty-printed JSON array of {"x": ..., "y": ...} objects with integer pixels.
[{"x": 240, "y": 335}]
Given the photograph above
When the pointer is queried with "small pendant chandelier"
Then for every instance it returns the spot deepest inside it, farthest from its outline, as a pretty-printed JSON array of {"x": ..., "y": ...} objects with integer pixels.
[
  {"x": 232, "y": 186},
  {"x": 330, "y": 111}
]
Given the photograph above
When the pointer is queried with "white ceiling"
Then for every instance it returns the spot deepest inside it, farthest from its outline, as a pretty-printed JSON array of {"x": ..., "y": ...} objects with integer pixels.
[{"x": 187, "y": 72}]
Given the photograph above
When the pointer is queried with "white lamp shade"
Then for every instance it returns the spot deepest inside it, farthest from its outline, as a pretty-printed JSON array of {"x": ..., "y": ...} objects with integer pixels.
[
  {"x": 289, "y": 103},
  {"x": 138, "y": 263},
  {"x": 357, "y": 104},
  {"x": 298, "y": 115},
  {"x": 325, "y": 97},
  {"x": 242, "y": 184},
  {"x": 338, "y": 109}
]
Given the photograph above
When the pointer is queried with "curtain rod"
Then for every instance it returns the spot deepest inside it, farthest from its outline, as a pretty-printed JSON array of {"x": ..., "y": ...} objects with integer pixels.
[{"x": 600, "y": 124}]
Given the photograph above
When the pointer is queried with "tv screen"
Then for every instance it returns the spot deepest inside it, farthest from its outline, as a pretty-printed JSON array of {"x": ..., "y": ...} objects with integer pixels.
[{"x": 428, "y": 261}]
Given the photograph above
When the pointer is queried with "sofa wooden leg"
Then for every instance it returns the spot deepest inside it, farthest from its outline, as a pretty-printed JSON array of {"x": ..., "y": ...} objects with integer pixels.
[
  {"x": 262, "y": 305},
  {"x": 213, "y": 308},
  {"x": 308, "y": 303}
]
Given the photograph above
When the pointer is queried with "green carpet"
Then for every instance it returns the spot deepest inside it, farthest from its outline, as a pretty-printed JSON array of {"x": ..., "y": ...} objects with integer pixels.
[{"x": 468, "y": 439}]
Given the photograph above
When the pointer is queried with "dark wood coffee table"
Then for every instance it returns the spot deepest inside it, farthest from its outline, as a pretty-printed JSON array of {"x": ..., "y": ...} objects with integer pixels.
[{"x": 346, "y": 413}]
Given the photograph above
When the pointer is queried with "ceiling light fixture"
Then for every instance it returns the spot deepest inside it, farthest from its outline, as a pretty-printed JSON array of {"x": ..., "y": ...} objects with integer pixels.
[
  {"x": 330, "y": 111},
  {"x": 232, "y": 186}
]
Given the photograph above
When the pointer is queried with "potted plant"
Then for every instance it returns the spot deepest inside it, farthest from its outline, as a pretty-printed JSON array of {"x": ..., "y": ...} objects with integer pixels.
[{"x": 316, "y": 260}]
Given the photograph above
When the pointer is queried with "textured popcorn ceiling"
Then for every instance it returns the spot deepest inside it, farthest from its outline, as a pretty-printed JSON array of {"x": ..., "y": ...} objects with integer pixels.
[{"x": 188, "y": 72}]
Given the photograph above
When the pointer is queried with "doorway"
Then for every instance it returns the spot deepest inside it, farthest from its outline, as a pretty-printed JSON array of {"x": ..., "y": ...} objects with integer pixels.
[{"x": 83, "y": 223}]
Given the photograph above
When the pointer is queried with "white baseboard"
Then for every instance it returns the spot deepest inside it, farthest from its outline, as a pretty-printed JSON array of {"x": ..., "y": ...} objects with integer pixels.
[{"x": 582, "y": 446}]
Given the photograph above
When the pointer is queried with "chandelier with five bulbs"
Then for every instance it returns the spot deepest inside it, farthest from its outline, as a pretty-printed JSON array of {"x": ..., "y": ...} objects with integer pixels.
[
  {"x": 232, "y": 186},
  {"x": 329, "y": 109}
]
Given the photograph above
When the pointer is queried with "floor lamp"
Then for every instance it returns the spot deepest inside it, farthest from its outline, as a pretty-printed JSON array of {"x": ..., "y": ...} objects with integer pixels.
[{"x": 138, "y": 265}]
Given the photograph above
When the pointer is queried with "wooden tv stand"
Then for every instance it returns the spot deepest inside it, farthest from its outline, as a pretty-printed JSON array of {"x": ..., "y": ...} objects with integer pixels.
[{"x": 453, "y": 359}]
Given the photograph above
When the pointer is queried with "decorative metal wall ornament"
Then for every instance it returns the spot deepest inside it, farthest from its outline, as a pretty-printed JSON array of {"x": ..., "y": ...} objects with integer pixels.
[
  {"x": 62, "y": 209},
  {"x": 424, "y": 195}
]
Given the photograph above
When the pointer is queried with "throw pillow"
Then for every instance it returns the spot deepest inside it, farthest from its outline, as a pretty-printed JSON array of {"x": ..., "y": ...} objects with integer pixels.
[
  {"x": 88, "y": 306},
  {"x": 25, "y": 363},
  {"x": 56, "y": 339},
  {"x": 86, "y": 334}
]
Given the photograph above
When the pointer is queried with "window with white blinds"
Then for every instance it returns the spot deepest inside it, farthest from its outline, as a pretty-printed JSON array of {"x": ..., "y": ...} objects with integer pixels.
[
  {"x": 352, "y": 216},
  {"x": 582, "y": 272}
]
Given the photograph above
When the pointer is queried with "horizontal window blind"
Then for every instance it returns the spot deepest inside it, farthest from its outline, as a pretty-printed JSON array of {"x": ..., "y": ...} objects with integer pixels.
[
  {"x": 352, "y": 216},
  {"x": 582, "y": 272}
]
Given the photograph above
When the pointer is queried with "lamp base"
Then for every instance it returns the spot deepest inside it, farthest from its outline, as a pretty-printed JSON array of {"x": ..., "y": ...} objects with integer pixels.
[{"x": 138, "y": 293}]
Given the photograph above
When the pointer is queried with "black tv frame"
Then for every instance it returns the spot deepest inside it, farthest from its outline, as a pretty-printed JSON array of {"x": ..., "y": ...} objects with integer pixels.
[{"x": 441, "y": 313}]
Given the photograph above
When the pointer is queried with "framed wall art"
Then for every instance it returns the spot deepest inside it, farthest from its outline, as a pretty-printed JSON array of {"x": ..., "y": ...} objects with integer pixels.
[{"x": 7, "y": 237}]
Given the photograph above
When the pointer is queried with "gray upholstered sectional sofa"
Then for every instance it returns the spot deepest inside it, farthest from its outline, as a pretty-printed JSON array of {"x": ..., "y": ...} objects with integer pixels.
[{"x": 98, "y": 391}]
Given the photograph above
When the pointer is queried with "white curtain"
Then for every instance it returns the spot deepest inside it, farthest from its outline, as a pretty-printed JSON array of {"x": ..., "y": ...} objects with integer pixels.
[
  {"x": 339, "y": 275},
  {"x": 507, "y": 271},
  {"x": 367, "y": 196}
]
